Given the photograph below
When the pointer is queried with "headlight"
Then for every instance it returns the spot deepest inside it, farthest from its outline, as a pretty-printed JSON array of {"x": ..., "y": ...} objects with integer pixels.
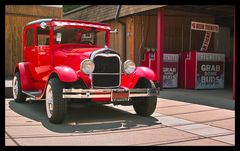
[
  {"x": 87, "y": 66},
  {"x": 129, "y": 66}
]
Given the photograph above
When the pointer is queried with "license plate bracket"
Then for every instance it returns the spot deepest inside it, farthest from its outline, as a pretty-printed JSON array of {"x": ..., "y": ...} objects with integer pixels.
[{"x": 119, "y": 95}]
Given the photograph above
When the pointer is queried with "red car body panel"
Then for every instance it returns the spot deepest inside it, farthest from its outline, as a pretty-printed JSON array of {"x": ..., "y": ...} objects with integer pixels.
[
  {"x": 26, "y": 77},
  {"x": 129, "y": 81},
  {"x": 40, "y": 62}
]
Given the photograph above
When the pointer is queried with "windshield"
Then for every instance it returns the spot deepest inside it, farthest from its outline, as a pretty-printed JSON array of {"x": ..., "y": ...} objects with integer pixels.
[{"x": 83, "y": 35}]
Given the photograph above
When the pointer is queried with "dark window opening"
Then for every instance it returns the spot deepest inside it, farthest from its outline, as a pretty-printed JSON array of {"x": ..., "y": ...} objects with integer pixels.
[
  {"x": 30, "y": 37},
  {"x": 42, "y": 36}
]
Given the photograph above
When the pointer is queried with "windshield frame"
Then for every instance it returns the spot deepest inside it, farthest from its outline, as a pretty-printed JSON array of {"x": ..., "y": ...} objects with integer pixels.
[{"x": 98, "y": 26}]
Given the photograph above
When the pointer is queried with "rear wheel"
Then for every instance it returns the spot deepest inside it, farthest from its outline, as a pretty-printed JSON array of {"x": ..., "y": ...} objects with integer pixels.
[
  {"x": 56, "y": 106},
  {"x": 145, "y": 106},
  {"x": 17, "y": 90}
]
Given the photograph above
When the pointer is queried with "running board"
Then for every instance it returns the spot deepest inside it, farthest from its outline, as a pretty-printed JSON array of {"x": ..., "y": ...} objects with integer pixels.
[{"x": 33, "y": 94}]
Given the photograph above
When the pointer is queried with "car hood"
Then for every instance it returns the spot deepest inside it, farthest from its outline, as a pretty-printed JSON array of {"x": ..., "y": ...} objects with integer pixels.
[{"x": 75, "y": 50}]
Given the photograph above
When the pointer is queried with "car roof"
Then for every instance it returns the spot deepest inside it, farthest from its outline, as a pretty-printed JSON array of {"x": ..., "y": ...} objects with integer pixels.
[
  {"x": 51, "y": 19},
  {"x": 39, "y": 21}
]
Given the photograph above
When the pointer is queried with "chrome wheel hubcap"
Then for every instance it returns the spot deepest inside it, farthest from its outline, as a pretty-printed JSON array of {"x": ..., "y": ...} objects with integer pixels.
[
  {"x": 49, "y": 101},
  {"x": 15, "y": 87}
]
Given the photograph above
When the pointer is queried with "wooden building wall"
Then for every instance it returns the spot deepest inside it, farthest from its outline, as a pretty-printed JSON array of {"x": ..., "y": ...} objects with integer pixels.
[
  {"x": 177, "y": 31},
  {"x": 16, "y": 17},
  {"x": 145, "y": 34},
  {"x": 116, "y": 38},
  {"x": 142, "y": 32}
]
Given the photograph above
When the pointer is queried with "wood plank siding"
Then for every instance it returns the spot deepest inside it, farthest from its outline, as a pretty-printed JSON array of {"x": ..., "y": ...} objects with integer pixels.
[
  {"x": 102, "y": 13},
  {"x": 106, "y": 14},
  {"x": 177, "y": 30},
  {"x": 16, "y": 17}
]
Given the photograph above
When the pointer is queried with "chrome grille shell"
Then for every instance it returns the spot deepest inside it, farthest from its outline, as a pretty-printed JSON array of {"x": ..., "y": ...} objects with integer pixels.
[{"x": 104, "y": 74}]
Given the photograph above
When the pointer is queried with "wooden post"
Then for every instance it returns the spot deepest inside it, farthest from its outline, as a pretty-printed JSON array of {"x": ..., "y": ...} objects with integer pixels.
[
  {"x": 160, "y": 47},
  {"x": 131, "y": 44},
  {"x": 130, "y": 38}
]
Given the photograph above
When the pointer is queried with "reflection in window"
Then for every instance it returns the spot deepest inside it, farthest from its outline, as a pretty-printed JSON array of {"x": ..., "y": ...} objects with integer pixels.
[
  {"x": 83, "y": 35},
  {"x": 42, "y": 36}
]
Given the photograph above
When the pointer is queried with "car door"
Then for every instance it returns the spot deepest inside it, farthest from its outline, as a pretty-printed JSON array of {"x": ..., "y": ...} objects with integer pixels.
[
  {"x": 30, "y": 50},
  {"x": 43, "y": 53}
]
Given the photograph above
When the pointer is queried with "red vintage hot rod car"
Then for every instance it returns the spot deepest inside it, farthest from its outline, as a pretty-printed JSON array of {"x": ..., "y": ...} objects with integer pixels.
[{"x": 67, "y": 60}]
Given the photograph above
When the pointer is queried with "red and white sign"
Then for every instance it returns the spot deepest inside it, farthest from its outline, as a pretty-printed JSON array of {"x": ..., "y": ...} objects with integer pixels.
[
  {"x": 206, "y": 41},
  {"x": 210, "y": 71},
  {"x": 204, "y": 26},
  {"x": 170, "y": 70}
]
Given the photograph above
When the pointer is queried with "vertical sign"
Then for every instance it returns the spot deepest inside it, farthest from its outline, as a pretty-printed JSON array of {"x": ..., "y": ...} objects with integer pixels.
[
  {"x": 210, "y": 70},
  {"x": 206, "y": 41},
  {"x": 170, "y": 70}
]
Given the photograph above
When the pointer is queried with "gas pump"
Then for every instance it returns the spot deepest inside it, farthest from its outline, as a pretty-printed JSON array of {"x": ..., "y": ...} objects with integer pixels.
[
  {"x": 150, "y": 59},
  {"x": 170, "y": 66}
]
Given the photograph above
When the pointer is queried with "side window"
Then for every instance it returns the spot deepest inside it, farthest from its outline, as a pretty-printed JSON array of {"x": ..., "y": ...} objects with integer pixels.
[
  {"x": 42, "y": 36},
  {"x": 30, "y": 37}
]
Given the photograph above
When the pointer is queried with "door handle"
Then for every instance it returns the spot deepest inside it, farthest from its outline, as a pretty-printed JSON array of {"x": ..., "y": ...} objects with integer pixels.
[{"x": 42, "y": 53}]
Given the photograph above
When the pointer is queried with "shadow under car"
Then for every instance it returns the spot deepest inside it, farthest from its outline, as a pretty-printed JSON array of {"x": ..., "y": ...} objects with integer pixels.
[{"x": 84, "y": 118}]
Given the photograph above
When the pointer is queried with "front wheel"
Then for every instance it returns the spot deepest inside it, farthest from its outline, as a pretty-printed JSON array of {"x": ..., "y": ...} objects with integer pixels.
[
  {"x": 56, "y": 106},
  {"x": 145, "y": 106}
]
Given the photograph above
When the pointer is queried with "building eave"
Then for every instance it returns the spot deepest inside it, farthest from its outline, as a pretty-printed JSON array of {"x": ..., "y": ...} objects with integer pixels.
[{"x": 76, "y": 9}]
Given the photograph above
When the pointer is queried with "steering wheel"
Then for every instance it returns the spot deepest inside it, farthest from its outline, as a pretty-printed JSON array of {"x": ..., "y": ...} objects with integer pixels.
[{"x": 87, "y": 42}]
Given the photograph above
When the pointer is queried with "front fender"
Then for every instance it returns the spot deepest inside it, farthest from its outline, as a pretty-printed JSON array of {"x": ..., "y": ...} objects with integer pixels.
[
  {"x": 146, "y": 73},
  {"x": 66, "y": 73},
  {"x": 131, "y": 80}
]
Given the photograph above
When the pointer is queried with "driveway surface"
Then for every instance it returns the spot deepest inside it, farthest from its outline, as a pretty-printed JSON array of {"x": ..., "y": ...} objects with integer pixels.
[{"x": 174, "y": 123}]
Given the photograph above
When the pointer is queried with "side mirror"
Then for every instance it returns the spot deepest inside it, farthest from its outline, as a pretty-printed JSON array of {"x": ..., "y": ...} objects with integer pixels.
[
  {"x": 114, "y": 31},
  {"x": 43, "y": 25}
]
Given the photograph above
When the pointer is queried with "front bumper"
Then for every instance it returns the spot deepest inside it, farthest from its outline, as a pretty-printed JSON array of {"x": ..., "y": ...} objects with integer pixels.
[{"x": 107, "y": 93}]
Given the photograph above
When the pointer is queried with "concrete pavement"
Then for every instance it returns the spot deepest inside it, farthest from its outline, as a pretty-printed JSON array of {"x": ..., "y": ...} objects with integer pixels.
[
  {"x": 8, "y": 88},
  {"x": 220, "y": 98},
  {"x": 174, "y": 123}
]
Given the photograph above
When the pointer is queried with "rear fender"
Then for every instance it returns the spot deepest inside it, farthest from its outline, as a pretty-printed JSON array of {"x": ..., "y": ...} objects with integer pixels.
[
  {"x": 26, "y": 78},
  {"x": 129, "y": 81}
]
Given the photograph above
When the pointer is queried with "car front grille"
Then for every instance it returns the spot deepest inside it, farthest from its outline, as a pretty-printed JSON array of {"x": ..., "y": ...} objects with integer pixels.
[{"x": 107, "y": 71}]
